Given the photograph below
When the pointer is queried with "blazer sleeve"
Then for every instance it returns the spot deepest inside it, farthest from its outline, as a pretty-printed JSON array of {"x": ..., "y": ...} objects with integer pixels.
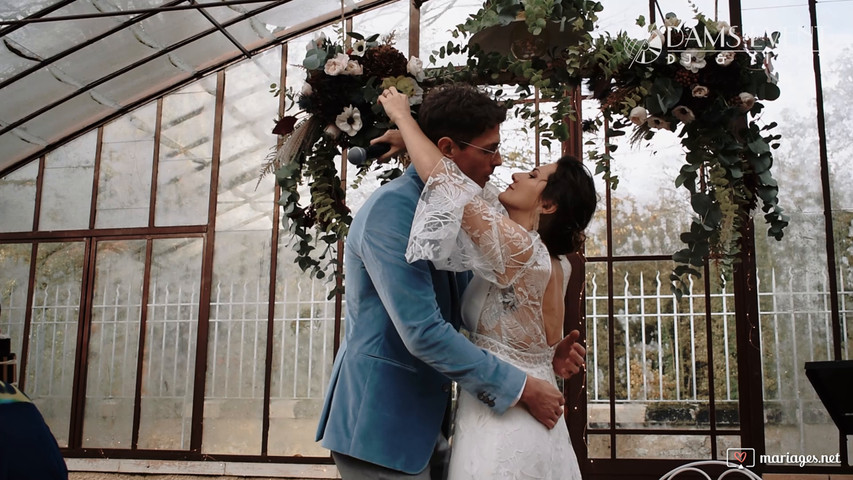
[{"x": 406, "y": 292}]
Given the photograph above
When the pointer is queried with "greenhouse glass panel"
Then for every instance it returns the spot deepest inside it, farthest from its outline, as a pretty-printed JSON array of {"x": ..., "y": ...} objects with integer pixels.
[
  {"x": 438, "y": 19},
  {"x": 303, "y": 352},
  {"x": 663, "y": 446},
  {"x": 67, "y": 117},
  {"x": 15, "y": 265},
  {"x": 40, "y": 38},
  {"x": 127, "y": 159},
  {"x": 186, "y": 142},
  {"x": 114, "y": 344},
  {"x": 793, "y": 289},
  {"x": 239, "y": 310},
  {"x": 168, "y": 357},
  {"x": 12, "y": 63},
  {"x": 245, "y": 201},
  {"x": 116, "y": 51},
  {"x": 143, "y": 80},
  {"x": 837, "y": 66},
  {"x": 17, "y": 102},
  {"x": 597, "y": 348},
  {"x": 18, "y": 199},
  {"x": 49, "y": 378},
  {"x": 204, "y": 52},
  {"x": 384, "y": 20},
  {"x": 67, "y": 186}
]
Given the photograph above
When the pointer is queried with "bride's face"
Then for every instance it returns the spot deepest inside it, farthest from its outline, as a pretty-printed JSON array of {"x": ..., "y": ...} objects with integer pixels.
[{"x": 525, "y": 192}]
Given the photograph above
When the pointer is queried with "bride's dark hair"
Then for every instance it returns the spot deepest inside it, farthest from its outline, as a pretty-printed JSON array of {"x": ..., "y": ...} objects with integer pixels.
[{"x": 572, "y": 189}]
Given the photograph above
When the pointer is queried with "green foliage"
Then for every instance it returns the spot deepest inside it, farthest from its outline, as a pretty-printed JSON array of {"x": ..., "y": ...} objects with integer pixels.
[
  {"x": 339, "y": 111},
  {"x": 709, "y": 96}
]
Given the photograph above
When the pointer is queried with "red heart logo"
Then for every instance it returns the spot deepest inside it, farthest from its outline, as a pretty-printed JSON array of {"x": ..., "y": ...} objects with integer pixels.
[{"x": 740, "y": 457}]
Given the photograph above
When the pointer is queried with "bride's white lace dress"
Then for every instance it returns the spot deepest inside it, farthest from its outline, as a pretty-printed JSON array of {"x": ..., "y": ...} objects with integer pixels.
[{"x": 459, "y": 226}]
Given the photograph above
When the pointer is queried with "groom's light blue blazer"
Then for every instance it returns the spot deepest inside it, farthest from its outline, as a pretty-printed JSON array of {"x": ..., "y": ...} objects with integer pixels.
[{"x": 391, "y": 378}]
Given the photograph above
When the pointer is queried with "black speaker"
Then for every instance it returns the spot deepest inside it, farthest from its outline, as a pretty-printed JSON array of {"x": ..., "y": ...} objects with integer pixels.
[{"x": 833, "y": 382}]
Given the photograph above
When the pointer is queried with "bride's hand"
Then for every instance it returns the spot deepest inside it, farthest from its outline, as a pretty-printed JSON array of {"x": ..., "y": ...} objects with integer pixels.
[
  {"x": 569, "y": 356},
  {"x": 396, "y": 104}
]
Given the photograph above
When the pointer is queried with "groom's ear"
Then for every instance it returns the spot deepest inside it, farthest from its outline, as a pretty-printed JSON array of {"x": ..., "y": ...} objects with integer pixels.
[{"x": 446, "y": 146}]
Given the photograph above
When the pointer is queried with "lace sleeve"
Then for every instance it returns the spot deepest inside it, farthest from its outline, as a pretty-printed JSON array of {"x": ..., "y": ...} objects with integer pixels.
[{"x": 457, "y": 229}]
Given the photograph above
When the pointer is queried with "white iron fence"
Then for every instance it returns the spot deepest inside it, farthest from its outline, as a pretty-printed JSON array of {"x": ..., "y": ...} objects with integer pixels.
[{"x": 660, "y": 347}]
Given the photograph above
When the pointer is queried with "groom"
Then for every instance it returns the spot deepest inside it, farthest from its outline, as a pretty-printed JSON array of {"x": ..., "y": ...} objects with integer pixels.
[{"x": 391, "y": 380}]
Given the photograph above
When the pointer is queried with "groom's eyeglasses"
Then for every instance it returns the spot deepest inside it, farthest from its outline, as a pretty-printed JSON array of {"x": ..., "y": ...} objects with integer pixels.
[{"x": 493, "y": 153}]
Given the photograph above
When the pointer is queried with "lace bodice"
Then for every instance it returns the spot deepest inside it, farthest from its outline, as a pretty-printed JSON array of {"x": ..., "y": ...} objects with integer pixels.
[{"x": 459, "y": 226}]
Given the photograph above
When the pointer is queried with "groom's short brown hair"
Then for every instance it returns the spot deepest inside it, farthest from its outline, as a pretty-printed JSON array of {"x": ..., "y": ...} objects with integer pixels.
[{"x": 459, "y": 111}]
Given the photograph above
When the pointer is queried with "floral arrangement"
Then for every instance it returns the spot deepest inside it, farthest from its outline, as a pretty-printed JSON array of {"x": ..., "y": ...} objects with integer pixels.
[
  {"x": 338, "y": 110},
  {"x": 705, "y": 82},
  {"x": 539, "y": 45}
]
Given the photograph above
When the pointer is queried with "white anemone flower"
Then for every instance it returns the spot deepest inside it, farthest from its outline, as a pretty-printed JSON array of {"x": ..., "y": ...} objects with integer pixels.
[
  {"x": 693, "y": 60},
  {"x": 359, "y": 47},
  {"x": 349, "y": 121}
]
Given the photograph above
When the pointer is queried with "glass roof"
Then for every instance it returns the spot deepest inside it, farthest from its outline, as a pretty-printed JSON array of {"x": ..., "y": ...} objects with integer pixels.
[{"x": 70, "y": 64}]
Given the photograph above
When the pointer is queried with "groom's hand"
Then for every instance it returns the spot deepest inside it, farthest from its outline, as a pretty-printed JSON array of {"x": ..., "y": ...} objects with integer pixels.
[
  {"x": 569, "y": 355},
  {"x": 543, "y": 401},
  {"x": 393, "y": 138}
]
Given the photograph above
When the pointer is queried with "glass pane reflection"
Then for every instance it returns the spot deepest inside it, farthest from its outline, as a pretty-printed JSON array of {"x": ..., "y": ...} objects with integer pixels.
[
  {"x": 53, "y": 333},
  {"x": 67, "y": 188},
  {"x": 168, "y": 358},
  {"x": 114, "y": 344},
  {"x": 186, "y": 142},
  {"x": 15, "y": 265},
  {"x": 18, "y": 199}
]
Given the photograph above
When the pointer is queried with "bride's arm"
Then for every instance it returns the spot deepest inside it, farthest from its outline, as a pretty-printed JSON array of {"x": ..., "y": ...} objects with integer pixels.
[{"x": 504, "y": 245}]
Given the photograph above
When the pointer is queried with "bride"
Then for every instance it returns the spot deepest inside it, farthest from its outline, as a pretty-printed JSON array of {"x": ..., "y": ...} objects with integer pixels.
[{"x": 515, "y": 307}]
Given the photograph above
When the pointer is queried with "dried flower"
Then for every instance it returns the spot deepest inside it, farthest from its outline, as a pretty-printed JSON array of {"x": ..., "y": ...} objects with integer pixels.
[
  {"x": 316, "y": 42},
  {"x": 638, "y": 115},
  {"x": 725, "y": 58},
  {"x": 693, "y": 60},
  {"x": 417, "y": 97},
  {"x": 337, "y": 65},
  {"x": 683, "y": 114},
  {"x": 768, "y": 69},
  {"x": 700, "y": 91},
  {"x": 671, "y": 20},
  {"x": 349, "y": 121},
  {"x": 415, "y": 67},
  {"x": 747, "y": 101},
  {"x": 723, "y": 27},
  {"x": 332, "y": 131},
  {"x": 307, "y": 89},
  {"x": 353, "y": 68},
  {"x": 657, "y": 122}
]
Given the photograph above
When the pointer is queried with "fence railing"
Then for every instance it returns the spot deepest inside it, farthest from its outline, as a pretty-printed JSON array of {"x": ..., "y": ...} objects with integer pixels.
[{"x": 660, "y": 346}]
